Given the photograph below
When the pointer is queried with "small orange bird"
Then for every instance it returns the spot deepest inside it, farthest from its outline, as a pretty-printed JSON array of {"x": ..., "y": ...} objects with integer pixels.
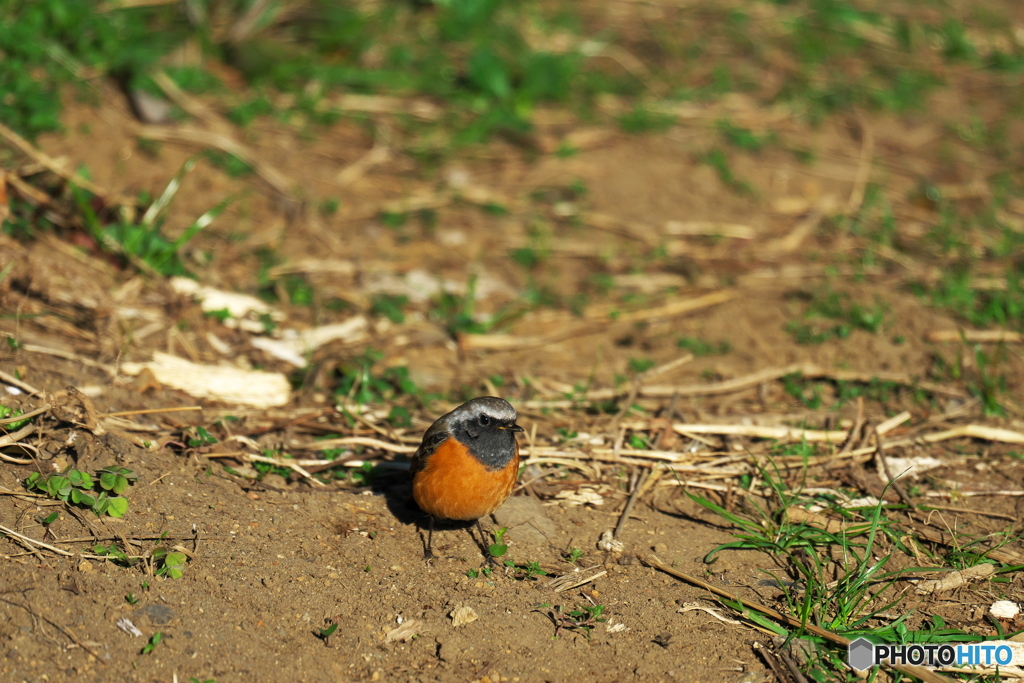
[{"x": 467, "y": 464}]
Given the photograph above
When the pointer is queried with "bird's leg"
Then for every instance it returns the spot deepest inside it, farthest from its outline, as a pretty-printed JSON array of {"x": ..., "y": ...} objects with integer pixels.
[
  {"x": 485, "y": 546},
  {"x": 428, "y": 554}
]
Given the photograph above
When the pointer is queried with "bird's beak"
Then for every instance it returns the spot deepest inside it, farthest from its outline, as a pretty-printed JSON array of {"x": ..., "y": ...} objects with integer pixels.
[{"x": 512, "y": 428}]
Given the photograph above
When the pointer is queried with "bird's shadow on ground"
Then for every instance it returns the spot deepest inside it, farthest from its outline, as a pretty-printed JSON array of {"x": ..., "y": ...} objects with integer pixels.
[{"x": 399, "y": 500}]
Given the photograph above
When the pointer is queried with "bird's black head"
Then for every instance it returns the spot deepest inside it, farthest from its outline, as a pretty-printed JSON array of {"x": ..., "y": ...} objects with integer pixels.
[{"x": 487, "y": 426}]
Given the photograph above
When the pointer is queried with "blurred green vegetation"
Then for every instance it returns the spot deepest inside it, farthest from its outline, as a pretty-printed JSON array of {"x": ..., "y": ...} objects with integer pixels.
[{"x": 492, "y": 62}]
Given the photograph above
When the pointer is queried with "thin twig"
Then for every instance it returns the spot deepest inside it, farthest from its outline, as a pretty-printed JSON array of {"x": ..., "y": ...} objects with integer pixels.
[
  {"x": 21, "y": 461},
  {"x": 596, "y": 320},
  {"x": 32, "y": 550},
  {"x": 375, "y": 427},
  {"x": 290, "y": 464},
  {"x": 858, "y": 424},
  {"x": 270, "y": 175},
  {"x": 25, "y": 494},
  {"x": 67, "y": 355},
  {"x": 24, "y": 416},
  {"x": 973, "y": 431},
  {"x": 629, "y": 505},
  {"x": 135, "y": 539},
  {"x": 14, "y": 381},
  {"x": 979, "y": 336},
  {"x": 13, "y": 437},
  {"x": 765, "y": 432},
  {"x": 867, "y": 150},
  {"x": 67, "y": 632},
  {"x": 150, "y": 411},
  {"x": 33, "y": 541},
  {"x": 891, "y": 480},
  {"x": 354, "y": 441},
  {"x": 665, "y": 367},
  {"x": 925, "y": 507},
  {"x": 806, "y": 370},
  {"x": 59, "y": 169}
]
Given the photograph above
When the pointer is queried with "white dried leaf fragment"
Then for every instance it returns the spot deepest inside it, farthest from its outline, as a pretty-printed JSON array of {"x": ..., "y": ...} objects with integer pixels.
[
  {"x": 125, "y": 624},
  {"x": 217, "y": 382},
  {"x": 1004, "y": 609},
  {"x": 581, "y": 496},
  {"x": 955, "y": 579},
  {"x": 404, "y": 632}
]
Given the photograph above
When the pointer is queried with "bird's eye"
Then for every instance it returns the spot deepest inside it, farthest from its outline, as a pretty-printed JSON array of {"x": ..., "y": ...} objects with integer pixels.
[{"x": 484, "y": 420}]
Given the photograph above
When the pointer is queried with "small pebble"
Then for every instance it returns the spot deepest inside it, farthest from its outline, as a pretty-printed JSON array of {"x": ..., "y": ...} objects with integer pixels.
[{"x": 463, "y": 615}]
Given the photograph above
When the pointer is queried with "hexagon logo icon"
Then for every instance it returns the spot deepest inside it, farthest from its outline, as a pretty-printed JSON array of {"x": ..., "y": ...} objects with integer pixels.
[{"x": 861, "y": 654}]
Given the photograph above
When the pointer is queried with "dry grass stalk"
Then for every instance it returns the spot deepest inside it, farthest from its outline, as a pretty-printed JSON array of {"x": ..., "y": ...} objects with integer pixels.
[
  {"x": 710, "y": 229},
  {"x": 969, "y": 511},
  {"x": 787, "y": 434},
  {"x": 68, "y": 355},
  {"x": 34, "y": 542},
  {"x": 961, "y": 493},
  {"x": 638, "y": 487},
  {"x": 973, "y": 431},
  {"x": 574, "y": 580},
  {"x": 867, "y": 150},
  {"x": 193, "y": 106},
  {"x": 13, "y": 439},
  {"x": 68, "y": 633},
  {"x": 183, "y": 134},
  {"x": 290, "y": 464},
  {"x": 15, "y": 382},
  {"x": 151, "y": 411},
  {"x": 598, "y": 320},
  {"x": 420, "y": 108},
  {"x": 795, "y": 238},
  {"x": 978, "y": 336},
  {"x": 354, "y": 441},
  {"x": 25, "y": 416},
  {"x": 806, "y": 370},
  {"x": 58, "y": 168}
]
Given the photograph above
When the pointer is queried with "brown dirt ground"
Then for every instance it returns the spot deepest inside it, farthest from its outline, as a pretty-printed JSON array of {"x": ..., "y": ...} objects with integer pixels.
[{"x": 274, "y": 560}]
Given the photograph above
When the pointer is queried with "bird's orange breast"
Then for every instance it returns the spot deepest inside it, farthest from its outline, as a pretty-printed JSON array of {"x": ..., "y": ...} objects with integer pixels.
[{"x": 455, "y": 485}]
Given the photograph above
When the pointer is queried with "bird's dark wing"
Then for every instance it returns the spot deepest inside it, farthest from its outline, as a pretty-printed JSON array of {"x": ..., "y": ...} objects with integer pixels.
[{"x": 435, "y": 436}]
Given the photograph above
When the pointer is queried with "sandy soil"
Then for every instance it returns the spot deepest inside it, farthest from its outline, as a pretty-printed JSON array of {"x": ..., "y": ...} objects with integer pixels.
[{"x": 274, "y": 560}]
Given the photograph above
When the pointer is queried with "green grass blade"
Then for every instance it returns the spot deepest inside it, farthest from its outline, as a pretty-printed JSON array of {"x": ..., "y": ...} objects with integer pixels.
[{"x": 156, "y": 210}]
